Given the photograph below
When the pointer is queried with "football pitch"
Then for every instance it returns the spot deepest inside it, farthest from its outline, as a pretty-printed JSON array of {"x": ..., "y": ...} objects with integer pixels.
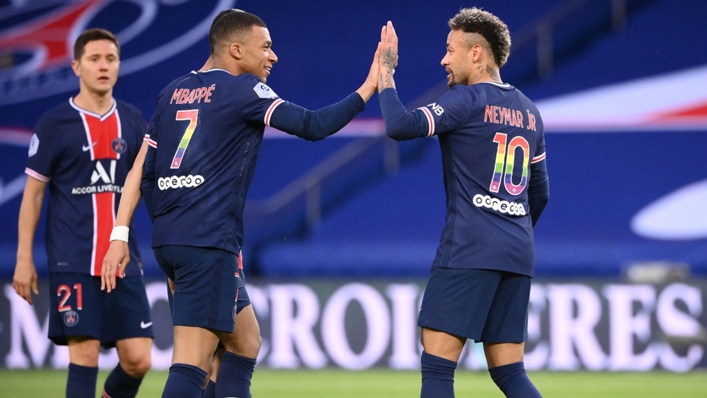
[{"x": 387, "y": 384}]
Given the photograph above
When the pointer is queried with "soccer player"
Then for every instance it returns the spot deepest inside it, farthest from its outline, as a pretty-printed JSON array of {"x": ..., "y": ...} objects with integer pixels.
[
  {"x": 204, "y": 142},
  {"x": 83, "y": 150},
  {"x": 495, "y": 178}
]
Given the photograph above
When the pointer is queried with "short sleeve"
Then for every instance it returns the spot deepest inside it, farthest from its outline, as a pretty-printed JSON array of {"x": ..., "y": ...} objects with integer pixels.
[
  {"x": 43, "y": 151},
  {"x": 258, "y": 100},
  {"x": 540, "y": 153}
]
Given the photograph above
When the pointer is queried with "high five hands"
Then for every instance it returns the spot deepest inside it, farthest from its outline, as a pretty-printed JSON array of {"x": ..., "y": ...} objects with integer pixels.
[{"x": 388, "y": 49}]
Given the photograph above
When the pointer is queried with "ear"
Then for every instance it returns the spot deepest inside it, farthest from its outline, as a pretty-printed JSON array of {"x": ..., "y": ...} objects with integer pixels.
[
  {"x": 476, "y": 52},
  {"x": 236, "y": 50},
  {"x": 76, "y": 66}
]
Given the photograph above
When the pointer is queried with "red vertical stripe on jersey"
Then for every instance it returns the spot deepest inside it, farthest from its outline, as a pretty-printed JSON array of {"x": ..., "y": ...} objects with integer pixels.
[
  {"x": 103, "y": 221},
  {"x": 101, "y": 133}
]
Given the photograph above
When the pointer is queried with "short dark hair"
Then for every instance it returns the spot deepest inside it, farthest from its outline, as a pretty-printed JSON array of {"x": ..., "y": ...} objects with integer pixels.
[
  {"x": 221, "y": 14},
  {"x": 93, "y": 35},
  {"x": 489, "y": 26},
  {"x": 231, "y": 22}
]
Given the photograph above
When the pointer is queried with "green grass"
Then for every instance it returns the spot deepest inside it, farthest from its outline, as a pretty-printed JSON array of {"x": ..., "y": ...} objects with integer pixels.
[{"x": 387, "y": 384}]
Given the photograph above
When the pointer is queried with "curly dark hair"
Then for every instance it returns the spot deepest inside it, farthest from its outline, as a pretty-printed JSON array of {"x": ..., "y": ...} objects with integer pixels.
[
  {"x": 489, "y": 26},
  {"x": 231, "y": 21},
  {"x": 93, "y": 35}
]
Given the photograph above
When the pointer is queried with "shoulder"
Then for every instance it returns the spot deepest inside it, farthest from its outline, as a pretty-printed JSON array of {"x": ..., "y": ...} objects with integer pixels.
[
  {"x": 252, "y": 84},
  {"x": 57, "y": 116},
  {"x": 459, "y": 100},
  {"x": 62, "y": 111},
  {"x": 127, "y": 109},
  {"x": 524, "y": 98},
  {"x": 169, "y": 89},
  {"x": 463, "y": 93}
]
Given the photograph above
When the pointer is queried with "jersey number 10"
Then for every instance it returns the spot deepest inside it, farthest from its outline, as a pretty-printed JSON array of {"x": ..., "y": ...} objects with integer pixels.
[{"x": 505, "y": 160}]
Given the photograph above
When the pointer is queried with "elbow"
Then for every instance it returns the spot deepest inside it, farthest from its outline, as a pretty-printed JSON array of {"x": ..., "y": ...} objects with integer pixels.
[
  {"x": 316, "y": 136},
  {"x": 542, "y": 201},
  {"x": 312, "y": 129},
  {"x": 394, "y": 136},
  {"x": 396, "y": 132}
]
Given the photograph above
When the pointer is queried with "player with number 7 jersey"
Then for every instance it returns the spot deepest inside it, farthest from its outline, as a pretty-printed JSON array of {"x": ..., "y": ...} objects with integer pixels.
[{"x": 204, "y": 141}]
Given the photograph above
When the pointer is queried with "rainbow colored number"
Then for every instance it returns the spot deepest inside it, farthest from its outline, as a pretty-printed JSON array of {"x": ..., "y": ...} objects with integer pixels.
[
  {"x": 506, "y": 156},
  {"x": 192, "y": 116}
]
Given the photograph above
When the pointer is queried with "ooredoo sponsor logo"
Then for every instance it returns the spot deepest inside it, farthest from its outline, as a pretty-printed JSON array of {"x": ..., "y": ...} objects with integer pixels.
[
  {"x": 176, "y": 182},
  {"x": 499, "y": 205}
]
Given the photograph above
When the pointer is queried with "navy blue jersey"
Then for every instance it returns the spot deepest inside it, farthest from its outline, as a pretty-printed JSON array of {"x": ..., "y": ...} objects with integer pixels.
[
  {"x": 492, "y": 142},
  {"x": 84, "y": 157},
  {"x": 205, "y": 138}
]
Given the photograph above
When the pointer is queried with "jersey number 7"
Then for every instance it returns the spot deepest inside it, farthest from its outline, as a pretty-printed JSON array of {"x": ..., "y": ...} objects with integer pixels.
[
  {"x": 506, "y": 157},
  {"x": 192, "y": 115}
]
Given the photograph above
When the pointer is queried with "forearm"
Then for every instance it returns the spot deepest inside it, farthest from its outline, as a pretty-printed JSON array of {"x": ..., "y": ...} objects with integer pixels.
[
  {"x": 147, "y": 182},
  {"x": 538, "y": 191},
  {"x": 385, "y": 77},
  {"x": 30, "y": 211},
  {"x": 319, "y": 124},
  {"x": 130, "y": 197},
  {"x": 366, "y": 91},
  {"x": 399, "y": 124}
]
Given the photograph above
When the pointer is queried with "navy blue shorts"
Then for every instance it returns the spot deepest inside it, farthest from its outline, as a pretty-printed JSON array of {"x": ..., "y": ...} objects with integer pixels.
[
  {"x": 78, "y": 307},
  {"x": 207, "y": 286},
  {"x": 242, "y": 298},
  {"x": 482, "y": 305}
]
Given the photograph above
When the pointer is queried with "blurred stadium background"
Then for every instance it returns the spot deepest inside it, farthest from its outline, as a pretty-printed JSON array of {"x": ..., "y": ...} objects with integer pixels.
[{"x": 341, "y": 233}]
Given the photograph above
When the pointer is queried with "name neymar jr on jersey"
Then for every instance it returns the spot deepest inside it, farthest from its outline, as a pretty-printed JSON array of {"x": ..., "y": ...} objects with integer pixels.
[
  {"x": 187, "y": 96},
  {"x": 514, "y": 117}
]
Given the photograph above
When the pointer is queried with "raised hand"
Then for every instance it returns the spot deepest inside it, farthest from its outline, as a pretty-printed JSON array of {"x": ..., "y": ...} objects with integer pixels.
[
  {"x": 369, "y": 86},
  {"x": 388, "y": 57}
]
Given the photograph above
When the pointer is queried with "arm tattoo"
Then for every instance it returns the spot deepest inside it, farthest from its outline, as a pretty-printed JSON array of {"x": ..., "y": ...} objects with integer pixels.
[
  {"x": 385, "y": 79},
  {"x": 389, "y": 58}
]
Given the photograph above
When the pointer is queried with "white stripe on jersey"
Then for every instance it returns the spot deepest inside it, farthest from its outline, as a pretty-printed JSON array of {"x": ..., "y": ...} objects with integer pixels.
[
  {"x": 36, "y": 175},
  {"x": 271, "y": 109},
  {"x": 97, "y": 116},
  {"x": 539, "y": 158},
  {"x": 88, "y": 134},
  {"x": 95, "y": 234},
  {"x": 430, "y": 120},
  {"x": 150, "y": 141}
]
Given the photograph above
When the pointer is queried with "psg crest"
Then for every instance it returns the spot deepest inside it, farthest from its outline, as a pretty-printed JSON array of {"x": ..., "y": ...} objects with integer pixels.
[
  {"x": 71, "y": 318},
  {"x": 119, "y": 145}
]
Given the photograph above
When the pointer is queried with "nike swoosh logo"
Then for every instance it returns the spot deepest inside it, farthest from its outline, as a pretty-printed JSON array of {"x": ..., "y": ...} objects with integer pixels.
[
  {"x": 87, "y": 147},
  {"x": 145, "y": 325}
]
